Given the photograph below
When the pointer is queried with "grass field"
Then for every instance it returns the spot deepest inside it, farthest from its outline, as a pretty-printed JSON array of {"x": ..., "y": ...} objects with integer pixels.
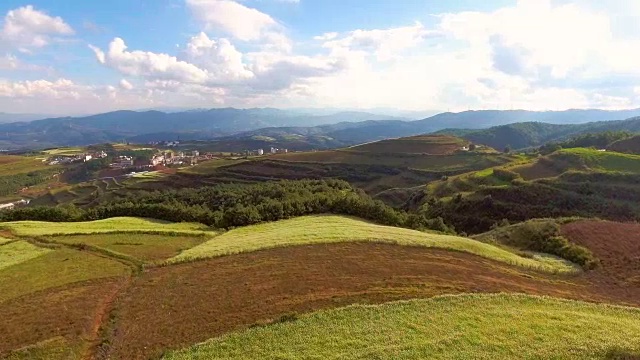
[
  {"x": 453, "y": 162},
  {"x": 65, "y": 151},
  {"x": 11, "y": 165},
  {"x": 206, "y": 167},
  {"x": 4, "y": 240},
  {"x": 606, "y": 160},
  {"x": 145, "y": 247},
  {"x": 498, "y": 326},
  {"x": 18, "y": 252},
  {"x": 336, "y": 229},
  {"x": 55, "y": 268},
  {"x": 106, "y": 226}
]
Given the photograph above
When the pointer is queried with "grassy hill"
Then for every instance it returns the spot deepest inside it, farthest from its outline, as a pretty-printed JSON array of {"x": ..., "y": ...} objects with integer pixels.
[
  {"x": 468, "y": 326},
  {"x": 337, "y": 229}
]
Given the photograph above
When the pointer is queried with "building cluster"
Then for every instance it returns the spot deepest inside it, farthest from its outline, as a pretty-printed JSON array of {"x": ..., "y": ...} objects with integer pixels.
[
  {"x": 122, "y": 162},
  {"x": 261, "y": 152},
  {"x": 70, "y": 159},
  {"x": 13, "y": 205},
  {"x": 179, "y": 158}
]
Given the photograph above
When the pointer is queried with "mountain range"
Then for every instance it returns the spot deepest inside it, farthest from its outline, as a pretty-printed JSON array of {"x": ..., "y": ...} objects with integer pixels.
[{"x": 316, "y": 130}]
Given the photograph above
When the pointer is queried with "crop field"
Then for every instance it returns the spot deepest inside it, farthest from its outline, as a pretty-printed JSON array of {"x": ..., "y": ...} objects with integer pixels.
[
  {"x": 53, "y": 269},
  {"x": 209, "y": 166},
  {"x": 18, "y": 252},
  {"x": 464, "y": 327},
  {"x": 145, "y": 247},
  {"x": 454, "y": 162},
  {"x": 12, "y": 165},
  {"x": 212, "y": 297},
  {"x": 425, "y": 144},
  {"x": 65, "y": 151},
  {"x": 106, "y": 226},
  {"x": 617, "y": 245},
  {"x": 335, "y": 229},
  {"x": 55, "y": 324},
  {"x": 605, "y": 160}
]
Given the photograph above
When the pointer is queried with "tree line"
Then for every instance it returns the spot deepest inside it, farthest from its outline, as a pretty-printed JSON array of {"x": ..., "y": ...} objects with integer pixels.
[{"x": 234, "y": 205}]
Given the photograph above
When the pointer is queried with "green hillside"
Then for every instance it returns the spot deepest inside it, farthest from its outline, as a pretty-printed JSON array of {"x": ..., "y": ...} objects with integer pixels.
[
  {"x": 336, "y": 229},
  {"x": 462, "y": 327}
]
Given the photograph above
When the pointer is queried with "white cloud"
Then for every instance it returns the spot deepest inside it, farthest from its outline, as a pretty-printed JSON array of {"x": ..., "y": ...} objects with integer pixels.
[
  {"x": 239, "y": 21},
  {"x": 61, "y": 88},
  {"x": 385, "y": 44},
  {"x": 535, "y": 54},
  {"x": 148, "y": 64},
  {"x": 126, "y": 85},
  {"x": 26, "y": 28},
  {"x": 219, "y": 58}
]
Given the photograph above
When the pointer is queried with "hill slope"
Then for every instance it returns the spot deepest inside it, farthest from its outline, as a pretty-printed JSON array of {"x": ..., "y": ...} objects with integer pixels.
[{"x": 461, "y": 327}]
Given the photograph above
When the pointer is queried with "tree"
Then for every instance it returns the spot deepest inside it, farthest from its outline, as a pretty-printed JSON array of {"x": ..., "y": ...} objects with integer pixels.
[
  {"x": 507, "y": 149},
  {"x": 472, "y": 147}
]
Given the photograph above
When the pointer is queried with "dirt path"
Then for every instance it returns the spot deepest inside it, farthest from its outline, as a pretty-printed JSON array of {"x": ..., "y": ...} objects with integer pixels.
[
  {"x": 177, "y": 306},
  {"x": 101, "y": 318}
]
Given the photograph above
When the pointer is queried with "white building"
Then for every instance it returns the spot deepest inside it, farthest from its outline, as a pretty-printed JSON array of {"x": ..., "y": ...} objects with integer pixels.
[{"x": 260, "y": 152}]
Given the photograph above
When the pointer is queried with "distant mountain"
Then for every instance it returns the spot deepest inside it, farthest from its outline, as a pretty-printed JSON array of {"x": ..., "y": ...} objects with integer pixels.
[
  {"x": 488, "y": 118},
  {"x": 156, "y": 125},
  {"x": 533, "y": 134},
  {"x": 338, "y": 129},
  {"x": 9, "y": 118}
]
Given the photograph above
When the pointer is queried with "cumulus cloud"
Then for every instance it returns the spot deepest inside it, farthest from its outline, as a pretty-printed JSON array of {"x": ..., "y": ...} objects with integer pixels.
[
  {"x": 148, "y": 64},
  {"x": 61, "y": 88},
  {"x": 384, "y": 43},
  {"x": 235, "y": 19},
  {"x": 219, "y": 58},
  {"x": 26, "y": 28}
]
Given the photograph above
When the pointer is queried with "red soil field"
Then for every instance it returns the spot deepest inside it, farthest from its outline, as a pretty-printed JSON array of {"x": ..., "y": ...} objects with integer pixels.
[
  {"x": 177, "y": 306},
  {"x": 69, "y": 311},
  {"x": 432, "y": 145},
  {"x": 617, "y": 245}
]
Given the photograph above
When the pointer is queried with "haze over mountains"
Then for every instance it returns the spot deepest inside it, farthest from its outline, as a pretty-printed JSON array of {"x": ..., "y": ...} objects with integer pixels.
[{"x": 316, "y": 131}]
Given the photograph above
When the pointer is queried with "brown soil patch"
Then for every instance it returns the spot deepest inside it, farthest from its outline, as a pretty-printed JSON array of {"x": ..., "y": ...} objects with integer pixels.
[
  {"x": 176, "y": 306},
  {"x": 66, "y": 311},
  {"x": 617, "y": 245},
  {"x": 432, "y": 145},
  {"x": 538, "y": 170}
]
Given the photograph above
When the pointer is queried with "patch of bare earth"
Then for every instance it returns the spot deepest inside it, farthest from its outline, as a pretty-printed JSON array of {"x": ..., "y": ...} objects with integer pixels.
[
  {"x": 68, "y": 311},
  {"x": 617, "y": 245},
  {"x": 176, "y": 306}
]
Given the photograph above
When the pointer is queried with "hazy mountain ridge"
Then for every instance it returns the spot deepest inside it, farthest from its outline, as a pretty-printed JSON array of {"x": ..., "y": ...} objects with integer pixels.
[{"x": 339, "y": 129}]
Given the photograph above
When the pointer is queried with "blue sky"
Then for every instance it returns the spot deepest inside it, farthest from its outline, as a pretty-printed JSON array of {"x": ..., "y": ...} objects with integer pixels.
[{"x": 76, "y": 56}]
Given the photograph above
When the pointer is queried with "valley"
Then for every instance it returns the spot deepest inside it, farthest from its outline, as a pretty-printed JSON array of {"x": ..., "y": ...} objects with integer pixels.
[{"x": 227, "y": 254}]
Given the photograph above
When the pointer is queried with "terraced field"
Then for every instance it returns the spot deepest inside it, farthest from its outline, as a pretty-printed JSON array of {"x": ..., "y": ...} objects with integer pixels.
[
  {"x": 464, "y": 327},
  {"x": 147, "y": 248},
  {"x": 111, "y": 225},
  {"x": 127, "y": 288}
]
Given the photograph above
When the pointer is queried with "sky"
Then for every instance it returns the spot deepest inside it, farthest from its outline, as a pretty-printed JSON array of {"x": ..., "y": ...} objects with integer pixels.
[{"x": 77, "y": 56}]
